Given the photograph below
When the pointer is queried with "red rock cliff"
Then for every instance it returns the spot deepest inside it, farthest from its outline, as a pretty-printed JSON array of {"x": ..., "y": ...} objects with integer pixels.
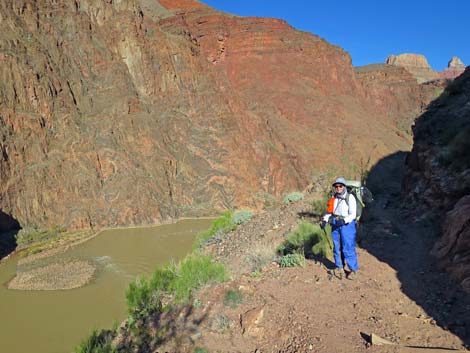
[{"x": 130, "y": 112}]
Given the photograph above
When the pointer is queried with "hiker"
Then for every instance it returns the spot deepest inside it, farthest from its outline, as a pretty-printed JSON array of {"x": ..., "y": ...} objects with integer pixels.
[{"x": 341, "y": 215}]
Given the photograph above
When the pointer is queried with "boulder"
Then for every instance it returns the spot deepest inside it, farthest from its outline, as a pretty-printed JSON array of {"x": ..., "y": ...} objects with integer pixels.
[{"x": 250, "y": 321}]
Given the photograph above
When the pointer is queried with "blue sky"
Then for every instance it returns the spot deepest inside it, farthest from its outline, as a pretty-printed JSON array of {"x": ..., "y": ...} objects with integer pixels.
[{"x": 372, "y": 30}]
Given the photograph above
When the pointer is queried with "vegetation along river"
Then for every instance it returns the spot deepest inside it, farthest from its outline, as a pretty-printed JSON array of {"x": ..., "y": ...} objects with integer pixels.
[{"x": 56, "y": 321}]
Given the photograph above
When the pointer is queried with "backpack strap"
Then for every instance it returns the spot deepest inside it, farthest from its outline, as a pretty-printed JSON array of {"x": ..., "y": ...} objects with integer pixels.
[{"x": 339, "y": 201}]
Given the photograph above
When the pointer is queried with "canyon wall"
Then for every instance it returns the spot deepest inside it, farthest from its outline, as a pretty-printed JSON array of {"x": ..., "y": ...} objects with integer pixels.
[
  {"x": 137, "y": 111},
  {"x": 437, "y": 184}
]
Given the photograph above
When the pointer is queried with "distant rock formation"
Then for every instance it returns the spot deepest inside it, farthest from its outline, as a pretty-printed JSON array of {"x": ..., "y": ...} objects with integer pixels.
[
  {"x": 455, "y": 68},
  {"x": 419, "y": 67},
  {"x": 437, "y": 183},
  {"x": 416, "y": 64}
]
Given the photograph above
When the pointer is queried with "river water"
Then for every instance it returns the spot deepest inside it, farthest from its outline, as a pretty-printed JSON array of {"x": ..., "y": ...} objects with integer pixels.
[{"x": 57, "y": 321}]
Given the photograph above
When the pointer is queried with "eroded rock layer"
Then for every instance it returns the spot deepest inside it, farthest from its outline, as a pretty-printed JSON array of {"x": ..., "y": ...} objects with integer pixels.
[
  {"x": 417, "y": 65},
  {"x": 133, "y": 112},
  {"x": 438, "y": 178}
]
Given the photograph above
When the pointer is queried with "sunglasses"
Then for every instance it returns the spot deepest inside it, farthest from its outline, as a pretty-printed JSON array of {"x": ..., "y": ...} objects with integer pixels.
[{"x": 339, "y": 186}]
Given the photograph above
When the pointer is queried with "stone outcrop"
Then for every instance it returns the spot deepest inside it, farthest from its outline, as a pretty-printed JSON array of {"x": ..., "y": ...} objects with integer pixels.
[
  {"x": 416, "y": 64},
  {"x": 438, "y": 178},
  {"x": 394, "y": 93},
  {"x": 453, "y": 249},
  {"x": 455, "y": 68},
  {"x": 134, "y": 112}
]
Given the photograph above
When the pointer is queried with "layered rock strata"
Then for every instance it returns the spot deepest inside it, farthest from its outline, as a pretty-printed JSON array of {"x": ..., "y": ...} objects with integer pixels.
[
  {"x": 418, "y": 66},
  {"x": 134, "y": 112},
  {"x": 455, "y": 68},
  {"x": 438, "y": 178}
]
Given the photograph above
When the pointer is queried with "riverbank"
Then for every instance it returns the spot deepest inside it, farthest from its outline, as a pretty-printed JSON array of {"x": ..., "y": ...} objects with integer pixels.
[
  {"x": 56, "y": 321},
  {"x": 34, "y": 272},
  {"x": 399, "y": 294}
]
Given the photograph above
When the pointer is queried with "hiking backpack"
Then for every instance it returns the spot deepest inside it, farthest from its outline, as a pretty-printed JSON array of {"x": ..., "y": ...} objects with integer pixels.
[{"x": 360, "y": 193}]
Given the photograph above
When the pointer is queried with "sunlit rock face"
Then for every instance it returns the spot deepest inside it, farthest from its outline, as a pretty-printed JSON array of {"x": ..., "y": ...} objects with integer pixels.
[
  {"x": 437, "y": 183},
  {"x": 416, "y": 64},
  {"x": 133, "y": 112},
  {"x": 455, "y": 68}
]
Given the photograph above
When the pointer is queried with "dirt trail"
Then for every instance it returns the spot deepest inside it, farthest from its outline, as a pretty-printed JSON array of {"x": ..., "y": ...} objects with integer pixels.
[{"x": 399, "y": 294}]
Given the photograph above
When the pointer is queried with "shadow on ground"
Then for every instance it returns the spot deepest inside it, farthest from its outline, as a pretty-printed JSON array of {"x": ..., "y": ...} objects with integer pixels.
[{"x": 393, "y": 236}]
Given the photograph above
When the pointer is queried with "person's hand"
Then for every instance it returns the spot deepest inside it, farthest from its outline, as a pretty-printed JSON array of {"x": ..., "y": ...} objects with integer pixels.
[
  {"x": 340, "y": 222},
  {"x": 322, "y": 224}
]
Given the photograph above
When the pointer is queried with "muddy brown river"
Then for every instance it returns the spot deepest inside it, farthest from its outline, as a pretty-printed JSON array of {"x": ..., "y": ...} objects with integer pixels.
[{"x": 56, "y": 321}]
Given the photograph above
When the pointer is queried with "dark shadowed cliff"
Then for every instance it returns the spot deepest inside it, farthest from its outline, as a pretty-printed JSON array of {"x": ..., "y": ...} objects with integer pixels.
[{"x": 438, "y": 177}]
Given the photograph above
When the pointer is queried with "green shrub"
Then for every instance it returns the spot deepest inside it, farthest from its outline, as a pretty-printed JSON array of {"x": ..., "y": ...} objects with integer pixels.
[
  {"x": 143, "y": 296},
  {"x": 293, "y": 197},
  {"x": 258, "y": 257},
  {"x": 233, "y": 298},
  {"x": 323, "y": 244},
  {"x": 28, "y": 236},
  {"x": 194, "y": 272},
  {"x": 319, "y": 206},
  {"x": 221, "y": 323},
  {"x": 269, "y": 201},
  {"x": 242, "y": 217},
  {"x": 308, "y": 239},
  {"x": 197, "y": 303},
  {"x": 292, "y": 260},
  {"x": 98, "y": 342},
  {"x": 220, "y": 226},
  {"x": 200, "y": 350}
]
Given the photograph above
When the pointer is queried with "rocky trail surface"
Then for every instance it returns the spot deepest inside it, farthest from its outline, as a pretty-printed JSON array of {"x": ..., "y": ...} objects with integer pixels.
[{"x": 399, "y": 294}]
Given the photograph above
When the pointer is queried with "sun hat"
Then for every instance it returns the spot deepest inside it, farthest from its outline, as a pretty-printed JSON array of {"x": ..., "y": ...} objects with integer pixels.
[{"x": 339, "y": 181}]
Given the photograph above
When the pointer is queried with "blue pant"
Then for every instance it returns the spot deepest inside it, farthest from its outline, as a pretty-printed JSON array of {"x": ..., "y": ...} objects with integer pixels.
[{"x": 344, "y": 239}]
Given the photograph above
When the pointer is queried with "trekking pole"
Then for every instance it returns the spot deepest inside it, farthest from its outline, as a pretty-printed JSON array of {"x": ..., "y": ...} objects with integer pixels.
[{"x": 323, "y": 257}]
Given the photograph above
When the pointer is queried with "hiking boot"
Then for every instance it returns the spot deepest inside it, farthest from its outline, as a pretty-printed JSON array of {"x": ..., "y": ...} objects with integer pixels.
[
  {"x": 352, "y": 275},
  {"x": 339, "y": 273}
]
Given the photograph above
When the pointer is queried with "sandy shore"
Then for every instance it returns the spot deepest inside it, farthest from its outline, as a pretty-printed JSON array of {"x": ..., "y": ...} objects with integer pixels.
[{"x": 65, "y": 275}]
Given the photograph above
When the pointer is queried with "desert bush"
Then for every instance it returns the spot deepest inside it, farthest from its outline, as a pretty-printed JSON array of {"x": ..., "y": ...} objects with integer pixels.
[
  {"x": 241, "y": 217},
  {"x": 194, "y": 272},
  {"x": 221, "y": 323},
  {"x": 269, "y": 201},
  {"x": 143, "y": 296},
  {"x": 28, "y": 236},
  {"x": 233, "y": 298},
  {"x": 258, "y": 257},
  {"x": 319, "y": 205},
  {"x": 98, "y": 342},
  {"x": 293, "y": 197},
  {"x": 308, "y": 239},
  {"x": 200, "y": 350},
  {"x": 219, "y": 227},
  {"x": 322, "y": 243},
  {"x": 293, "y": 260}
]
